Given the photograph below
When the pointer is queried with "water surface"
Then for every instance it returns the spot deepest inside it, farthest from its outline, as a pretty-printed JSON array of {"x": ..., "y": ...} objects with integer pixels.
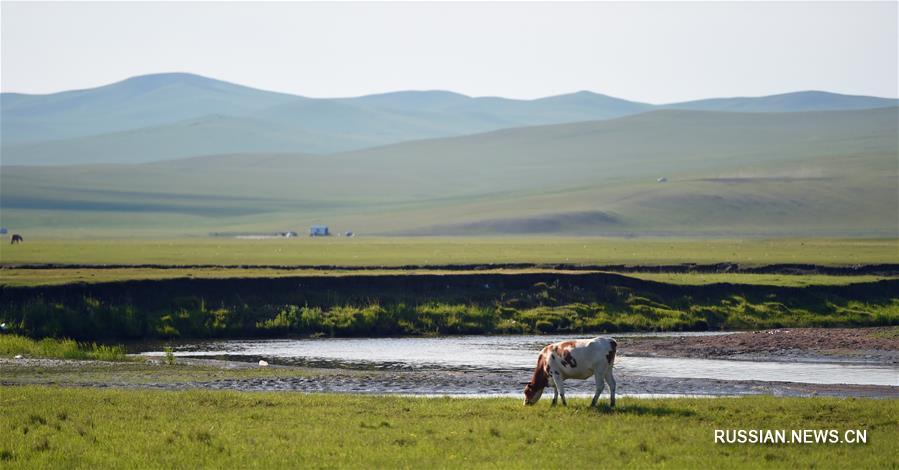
[{"x": 517, "y": 353}]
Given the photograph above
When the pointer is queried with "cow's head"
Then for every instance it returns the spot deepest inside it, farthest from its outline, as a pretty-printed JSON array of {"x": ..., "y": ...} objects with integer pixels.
[
  {"x": 534, "y": 389},
  {"x": 532, "y": 393}
]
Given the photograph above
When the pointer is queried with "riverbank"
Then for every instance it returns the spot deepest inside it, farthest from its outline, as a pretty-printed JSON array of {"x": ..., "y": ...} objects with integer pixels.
[
  {"x": 71, "y": 428},
  {"x": 847, "y": 345},
  {"x": 188, "y": 373},
  {"x": 802, "y": 362},
  {"x": 431, "y": 305}
]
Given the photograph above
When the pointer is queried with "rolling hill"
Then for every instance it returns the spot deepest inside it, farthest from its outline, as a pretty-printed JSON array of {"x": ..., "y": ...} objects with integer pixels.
[
  {"x": 821, "y": 173},
  {"x": 212, "y": 134},
  {"x": 176, "y": 115},
  {"x": 788, "y": 102},
  {"x": 144, "y": 101}
]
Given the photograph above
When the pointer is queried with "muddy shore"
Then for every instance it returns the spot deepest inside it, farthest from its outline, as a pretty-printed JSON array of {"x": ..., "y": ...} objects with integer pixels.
[
  {"x": 844, "y": 345},
  {"x": 869, "y": 346},
  {"x": 862, "y": 346},
  {"x": 431, "y": 382}
]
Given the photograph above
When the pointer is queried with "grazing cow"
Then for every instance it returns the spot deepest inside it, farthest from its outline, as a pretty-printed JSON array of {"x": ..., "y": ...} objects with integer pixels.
[
  {"x": 16, "y": 238},
  {"x": 578, "y": 359}
]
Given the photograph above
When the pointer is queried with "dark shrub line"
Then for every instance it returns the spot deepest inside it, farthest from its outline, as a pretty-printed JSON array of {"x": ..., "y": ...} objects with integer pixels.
[{"x": 430, "y": 305}]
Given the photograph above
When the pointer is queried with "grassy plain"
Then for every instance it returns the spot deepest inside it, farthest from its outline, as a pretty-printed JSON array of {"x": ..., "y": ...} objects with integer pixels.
[
  {"x": 11, "y": 345},
  {"x": 50, "y": 427},
  {"x": 50, "y": 277},
  {"x": 399, "y": 251},
  {"x": 227, "y": 255},
  {"x": 136, "y": 372}
]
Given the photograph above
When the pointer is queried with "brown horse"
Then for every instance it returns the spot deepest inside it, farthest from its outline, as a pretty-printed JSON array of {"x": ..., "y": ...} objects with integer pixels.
[{"x": 16, "y": 238}]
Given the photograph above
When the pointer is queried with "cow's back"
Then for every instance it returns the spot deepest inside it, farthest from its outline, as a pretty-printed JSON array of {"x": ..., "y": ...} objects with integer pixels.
[
  {"x": 589, "y": 356},
  {"x": 602, "y": 350}
]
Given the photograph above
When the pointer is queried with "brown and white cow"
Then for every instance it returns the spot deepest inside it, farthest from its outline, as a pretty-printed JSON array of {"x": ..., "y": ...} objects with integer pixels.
[{"x": 577, "y": 359}]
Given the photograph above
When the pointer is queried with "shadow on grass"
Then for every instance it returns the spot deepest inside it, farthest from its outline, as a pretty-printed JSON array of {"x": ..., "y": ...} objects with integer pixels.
[{"x": 637, "y": 409}]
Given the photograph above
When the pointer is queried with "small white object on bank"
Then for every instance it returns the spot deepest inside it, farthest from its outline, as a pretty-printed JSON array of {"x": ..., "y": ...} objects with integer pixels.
[{"x": 262, "y": 363}]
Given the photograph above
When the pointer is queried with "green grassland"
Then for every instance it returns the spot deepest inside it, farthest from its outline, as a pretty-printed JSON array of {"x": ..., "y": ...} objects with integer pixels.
[
  {"x": 729, "y": 174},
  {"x": 12, "y": 345},
  {"x": 423, "y": 251},
  {"x": 50, "y": 427},
  {"x": 51, "y": 277},
  {"x": 139, "y": 372}
]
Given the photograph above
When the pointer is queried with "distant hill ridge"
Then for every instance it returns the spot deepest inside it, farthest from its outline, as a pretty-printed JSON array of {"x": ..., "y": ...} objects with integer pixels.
[{"x": 175, "y": 115}]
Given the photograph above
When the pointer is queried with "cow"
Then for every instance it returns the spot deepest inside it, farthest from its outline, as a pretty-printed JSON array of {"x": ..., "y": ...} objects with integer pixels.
[
  {"x": 16, "y": 238},
  {"x": 577, "y": 359}
]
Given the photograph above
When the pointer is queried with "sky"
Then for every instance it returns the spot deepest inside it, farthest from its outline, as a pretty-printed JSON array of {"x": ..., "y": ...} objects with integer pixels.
[{"x": 651, "y": 52}]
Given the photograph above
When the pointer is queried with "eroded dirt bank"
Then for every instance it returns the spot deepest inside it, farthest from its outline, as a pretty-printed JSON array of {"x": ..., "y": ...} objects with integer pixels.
[
  {"x": 430, "y": 304},
  {"x": 476, "y": 287}
]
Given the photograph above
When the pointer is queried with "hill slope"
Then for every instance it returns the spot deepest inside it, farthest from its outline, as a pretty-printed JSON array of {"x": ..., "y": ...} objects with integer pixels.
[
  {"x": 148, "y": 100},
  {"x": 213, "y": 134},
  {"x": 815, "y": 173},
  {"x": 167, "y": 116},
  {"x": 788, "y": 102},
  {"x": 153, "y": 117}
]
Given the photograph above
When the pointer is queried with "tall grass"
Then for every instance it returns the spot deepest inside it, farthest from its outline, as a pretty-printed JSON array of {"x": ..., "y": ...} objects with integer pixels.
[{"x": 12, "y": 345}]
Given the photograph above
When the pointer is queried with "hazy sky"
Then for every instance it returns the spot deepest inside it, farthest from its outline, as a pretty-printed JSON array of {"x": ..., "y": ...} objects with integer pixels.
[{"x": 655, "y": 52}]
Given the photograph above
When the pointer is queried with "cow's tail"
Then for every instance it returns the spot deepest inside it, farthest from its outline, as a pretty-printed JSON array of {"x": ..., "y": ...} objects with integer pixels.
[{"x": 613, "y": 348}]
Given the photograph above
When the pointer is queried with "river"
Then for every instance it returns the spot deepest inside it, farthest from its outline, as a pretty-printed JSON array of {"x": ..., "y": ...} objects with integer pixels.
[{"x": 516, "y": 355}]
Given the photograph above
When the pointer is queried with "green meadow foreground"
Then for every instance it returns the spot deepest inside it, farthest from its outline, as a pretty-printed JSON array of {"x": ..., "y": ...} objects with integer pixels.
[
  {"x": 431, "y": 251},
  {"x": 50, "y": 427}
]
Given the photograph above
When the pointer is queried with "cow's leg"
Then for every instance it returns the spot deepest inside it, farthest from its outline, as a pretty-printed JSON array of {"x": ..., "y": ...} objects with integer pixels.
[
  {"x": 560, "y": 386},
  {"x": 555, "y": 392},
  {"x": 600, "y": 384},
  {"x": 611, "y": 380}
]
